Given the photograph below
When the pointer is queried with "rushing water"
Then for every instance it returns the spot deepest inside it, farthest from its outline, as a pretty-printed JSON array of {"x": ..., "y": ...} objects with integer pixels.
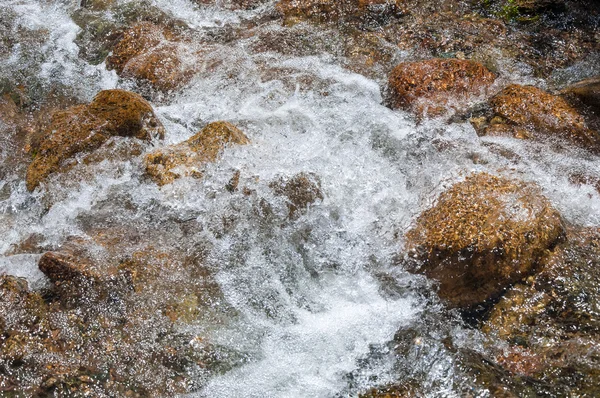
[{"x": 309, "y": 312}]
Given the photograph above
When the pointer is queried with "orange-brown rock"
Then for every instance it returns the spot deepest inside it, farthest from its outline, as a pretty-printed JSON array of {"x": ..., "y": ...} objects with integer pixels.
[
  {"x": 339, "y": 10},
  {"x": 483, "y": 235},
  {"x": 434, "y": 86},
  {"x": 189, "y": 157},
  {"x": 84, "y": 128},
  {"x": 527, "y": 111},
  {"x": 153, "y": 54},
  {"x": 301, "y": 190}
]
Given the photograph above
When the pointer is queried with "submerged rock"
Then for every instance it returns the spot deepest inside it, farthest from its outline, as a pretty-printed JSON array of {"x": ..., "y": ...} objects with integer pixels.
[
  {"x": 587, "y": 91},
  {"x": 301, "y": 190},
  {"x": 551, "y": 321},
  {"x": 365, "y": 11},
  {"x": 434, "y": 86},
  {"x": 84, "y": 128},
  {"x": 527, "y": 111},
  {"x": 483, "y": 235},
  {"x": 153, "y": 54},
  {"x": 187, "y": 158}
]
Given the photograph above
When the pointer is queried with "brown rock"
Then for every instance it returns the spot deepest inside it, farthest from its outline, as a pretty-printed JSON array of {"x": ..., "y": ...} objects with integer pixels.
[
  {"x": 84, "y": 128},
  {"x": 433, "y": 86},
  {"x": 301, "y": 190},
  {"x": 550, "y": 321},
  {"x": 152, "y": 54},
  {"x": 483, "y": 235},
  {"x": 188, "y": 157},
  {"x": 524, "y": 111}
]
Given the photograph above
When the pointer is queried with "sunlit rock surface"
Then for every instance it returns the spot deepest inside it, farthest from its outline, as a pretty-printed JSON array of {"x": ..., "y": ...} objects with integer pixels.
[
  {"x": 434, "y": 86},
  {"x": 153, "y": 54},
  {"x": 84, "y": 128},
  {"x": 482, "y": 235},
  {"x": 527, "y": 111},
  {"x": 551, "y": 321},
  {"x": 189, "y": 157}
]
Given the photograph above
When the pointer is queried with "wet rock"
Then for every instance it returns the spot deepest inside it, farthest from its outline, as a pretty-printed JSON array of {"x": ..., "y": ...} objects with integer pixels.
[
  {"x": 85, "y": 128},
  {"x": 153, "y": 54},
  {"x": 587, "y": 90},
  {"x": 400, "y": 391},
  {"x": 483, "y": 235},
  {"x": 365, "y": 11},
  {"x": 551, "y": 321},
  {"x": 527, "y": 111},
  {"x": 435, "y": 86},
  {"x": 300, "y": 190},
  {"x": 187, "y": 158},
  {"x": 66, "y": 265}
]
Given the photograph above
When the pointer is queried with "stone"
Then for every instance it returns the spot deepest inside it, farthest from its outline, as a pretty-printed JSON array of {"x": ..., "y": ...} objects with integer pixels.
[
  {"x": 483, "y": 235},
  {"x": 549, "y": 321},
  {"x": 187, "y": 158},
  {"x": 153, "y": 54},
  {"x": 300, "y": 190},
  {"x": 63, "y": 266},
  {"x": 528, "y": 111},
  {"x": 85, "y": 128},
  {"x": 365, "y": 11},
  {"x": 434, "y": 86},
  {"x": 587, "y": 90}
]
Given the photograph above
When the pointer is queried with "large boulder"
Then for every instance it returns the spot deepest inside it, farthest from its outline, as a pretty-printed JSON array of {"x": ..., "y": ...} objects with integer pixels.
[
  {"x": 84, "y": 128},
  {"x": 434, "y": 86},
  {"x": 153, "y": 54},
  {"x": 189, "y": 157},
  {"x": 528, "y": 111},
  {"x": 483, "y": 234}
]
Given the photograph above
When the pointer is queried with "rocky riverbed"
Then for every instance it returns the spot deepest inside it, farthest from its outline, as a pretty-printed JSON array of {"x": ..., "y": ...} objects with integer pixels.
[{"x": 299, "y": 198}]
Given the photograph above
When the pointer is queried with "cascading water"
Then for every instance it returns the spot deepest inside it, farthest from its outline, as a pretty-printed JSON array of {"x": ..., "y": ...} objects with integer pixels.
[{"x": 304, "y": 306}]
